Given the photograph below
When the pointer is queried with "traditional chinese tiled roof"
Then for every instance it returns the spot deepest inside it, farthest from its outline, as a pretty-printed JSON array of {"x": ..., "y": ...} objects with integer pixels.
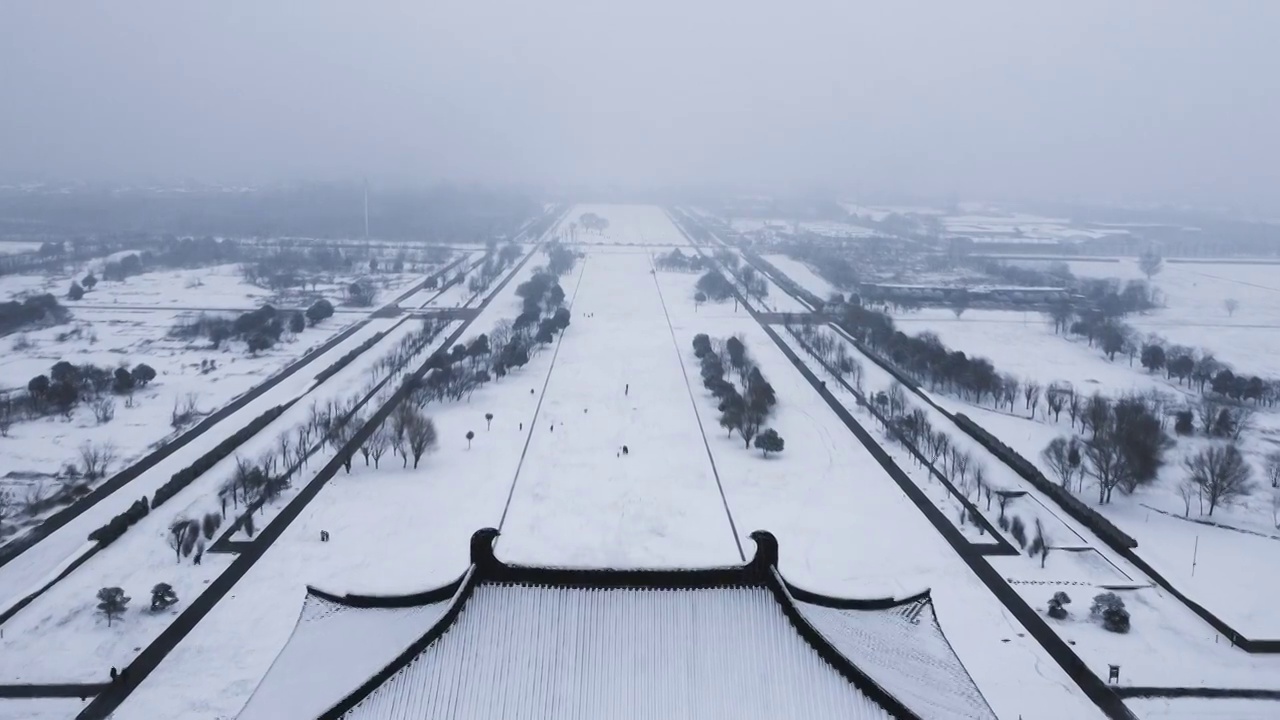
[{"x": 508, "y": 641}]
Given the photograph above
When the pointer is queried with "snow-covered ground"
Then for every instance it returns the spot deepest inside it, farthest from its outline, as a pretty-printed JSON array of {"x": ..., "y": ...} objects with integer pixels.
[
  {"x": 1163, "y": 628},
  {"x": 74, "y": 644},
  {"x": 628, "y": 225},
  {"x": 843, "y": 526},
  {"x": 393, "y": 530},
  {"x": 1023, "y": 343},
  {"x": 577, "y": 499},
  {"x": 13, "y": 247},
  {"x": 846, "y": 529},
  {"x": 1202, "y": 709},
  {"x": 1195, "y": 314},
  {"x": 109, "y": 338},
  {"x": 803, "y": 275}
]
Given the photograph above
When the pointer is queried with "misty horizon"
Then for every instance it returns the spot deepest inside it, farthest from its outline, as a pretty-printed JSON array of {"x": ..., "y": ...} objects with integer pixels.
[{"x": 1098, "y": 102}]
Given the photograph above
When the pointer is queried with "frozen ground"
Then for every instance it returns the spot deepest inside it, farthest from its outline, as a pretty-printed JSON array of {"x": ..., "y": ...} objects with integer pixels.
[
  {"x": 577, "y": 499},
  {"x": 803, "y": 275},
  {"x": 393, "y": 530},
  {"x": 75, "y": 645},
  {"x": 34, "y": 449},
  {"x": 842, "y": 525},
  {"x": 1201, "y": 709},
  {"x": 628, "y": 225},
  {"x": 1163, "y": 627},
  {"x": 846, "y": 529},
  {"x": 1194, "y": 314}
]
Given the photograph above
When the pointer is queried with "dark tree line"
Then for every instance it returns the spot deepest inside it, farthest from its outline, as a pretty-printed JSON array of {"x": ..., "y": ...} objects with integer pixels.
[
  {"x": 34, "y": 311},
  {"x": 745, "y": 410},
  {"x": 259, "y": 329}
]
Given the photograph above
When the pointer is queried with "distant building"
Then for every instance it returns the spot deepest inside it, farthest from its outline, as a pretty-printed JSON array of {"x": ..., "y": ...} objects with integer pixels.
[
  {"x": 508, "y": 641},
  {"x": 1008, "y": 295}
]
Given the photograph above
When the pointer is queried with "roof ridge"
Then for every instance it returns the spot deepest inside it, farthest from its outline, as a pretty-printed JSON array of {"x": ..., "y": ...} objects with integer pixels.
[{"x": 759, "y": 572}]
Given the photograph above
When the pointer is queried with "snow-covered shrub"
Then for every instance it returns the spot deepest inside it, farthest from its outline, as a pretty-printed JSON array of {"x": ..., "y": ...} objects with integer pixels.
[
  {"x": 1110, "y": 607},
  {"x": 1056, "y": 603}
]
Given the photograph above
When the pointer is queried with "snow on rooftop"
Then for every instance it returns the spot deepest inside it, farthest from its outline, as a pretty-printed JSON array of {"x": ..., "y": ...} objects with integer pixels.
[{"x": 527, "y": 652}]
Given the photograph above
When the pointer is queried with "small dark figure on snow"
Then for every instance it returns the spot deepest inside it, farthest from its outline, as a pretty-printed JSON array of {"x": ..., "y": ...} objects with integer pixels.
[
  {"x": 324, "y": 536},
  {"x": 114, "y": 675},
  {"x": 530, "y": 391},
  {"x": 627, "y": 390},
  {"x": 522, "y": 426},
  {"x": 553, "y": 427},
  {"x": 625, "y": 451}
]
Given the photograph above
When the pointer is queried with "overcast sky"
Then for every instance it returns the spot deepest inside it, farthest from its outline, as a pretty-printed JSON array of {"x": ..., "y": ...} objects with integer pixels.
[{"x": 1176, "y": 100}]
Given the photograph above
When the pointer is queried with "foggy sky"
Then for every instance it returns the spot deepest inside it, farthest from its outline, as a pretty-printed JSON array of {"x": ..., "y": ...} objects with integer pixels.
[{"x": 1175, "y": 101}]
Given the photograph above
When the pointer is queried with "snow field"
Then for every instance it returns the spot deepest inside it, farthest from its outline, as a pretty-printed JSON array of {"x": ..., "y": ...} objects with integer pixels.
[
  {"x": 1203, "y": 709},
  {"x": 802, "y": 274},
  {"x": 18, "y": 576},
  {"x": 577, "y": 501},
  {"x": 1163, "y": 628},
  {"x": 393, "y": 530},
  {"x": 46, "y": 444},
  {"x": 628, "y": 224},
  {"x": 40, "y": 709},
  {"x": 60, "y": 638},
  {"x": 846, "y": 529}
]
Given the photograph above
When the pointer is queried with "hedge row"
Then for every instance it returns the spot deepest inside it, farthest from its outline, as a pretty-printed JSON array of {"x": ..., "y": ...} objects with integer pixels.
[
  {"x": 345, "y": 360},
  {"x": 115, "y": 527},
  {"x": 186, "y": 475},
  {"x": 107, "y": 534},
  {"x": 1091, "y": 518}
]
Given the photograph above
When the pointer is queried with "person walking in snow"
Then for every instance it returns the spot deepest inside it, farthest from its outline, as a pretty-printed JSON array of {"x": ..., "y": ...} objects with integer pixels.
[
  {"x": 625, "y": 451},
  {"x": 627, "y": 390}
]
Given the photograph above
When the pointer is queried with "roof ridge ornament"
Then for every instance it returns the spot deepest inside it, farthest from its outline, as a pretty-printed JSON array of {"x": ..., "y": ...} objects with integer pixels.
[
  {"x": 482, "y": 542},
  {"x": 766, "y": 557}
]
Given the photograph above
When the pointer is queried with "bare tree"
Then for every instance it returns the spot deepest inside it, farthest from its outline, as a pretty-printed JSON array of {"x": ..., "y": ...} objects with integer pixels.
[
  {"x": 1273, "y": 468},
  {"x": 104, "y": 410},
  {"x": 1187, "y": 490},
  {"x": 1108, "y": 464},
  {"x": 400, "y": 421},
  {"x": 1231, "y": 305},
  {"x": 378, "y": 443},
  {"x": 1222, "y": 474},
  {"x": 1075, "y": 404},
  {"x": 1031, "y": 393},
  {"x": 1057, "y": 456},
  {"x": 284, "y": 446},
  {"x": 302, "y": 443},
  {"x": 8, "y": 507},
  {"x": 96, "y": 458},
  {"x": 421, "y": 436}
]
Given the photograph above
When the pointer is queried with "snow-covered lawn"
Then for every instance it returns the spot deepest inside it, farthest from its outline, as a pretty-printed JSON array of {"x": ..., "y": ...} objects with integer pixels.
[
  {"x": 1194, "y": 295},
  {"x": 35, "y": 449},
  {"x": 845, "y": 528},
  {"x": 40, "y": 709},
  {"x": 1162, "y": 626},
  {"x": 628, "y": 224},
  {"x": 1203, "y": 709},
  {"x": 577, "y": 500},
  {"x": 393, "y": 530},
  {"x": 59, "y": 637},
  {"x": 1023, "y": 344},
  {"x": 802, "y": 274}
]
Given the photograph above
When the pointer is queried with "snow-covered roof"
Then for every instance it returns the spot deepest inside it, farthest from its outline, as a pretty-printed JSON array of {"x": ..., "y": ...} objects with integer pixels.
[{"x": 541, "y": 642}]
